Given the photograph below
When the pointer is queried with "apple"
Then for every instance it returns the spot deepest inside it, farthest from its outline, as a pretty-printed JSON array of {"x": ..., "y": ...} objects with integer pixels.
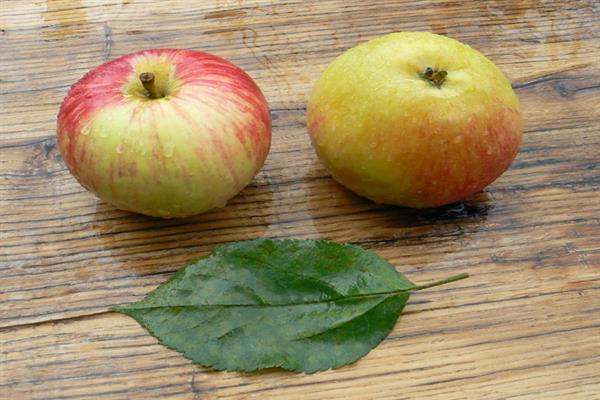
[
  {"x": 165, "y": 132},
  {"x": 414, "y": 119}
]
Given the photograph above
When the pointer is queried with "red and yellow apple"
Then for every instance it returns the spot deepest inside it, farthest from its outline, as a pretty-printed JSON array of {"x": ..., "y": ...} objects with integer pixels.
[
  {"x": 414, "y": 119},
  {"x": 165, "y": 132}
]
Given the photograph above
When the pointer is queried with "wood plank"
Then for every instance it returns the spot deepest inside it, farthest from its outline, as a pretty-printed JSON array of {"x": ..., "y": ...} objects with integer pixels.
[
  {"x": 471, "y": 350},
  {"x": 525, "y": 326}
]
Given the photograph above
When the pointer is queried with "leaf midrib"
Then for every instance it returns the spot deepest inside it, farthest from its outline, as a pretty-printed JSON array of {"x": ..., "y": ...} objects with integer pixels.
[{"x": 350, "y": 297}]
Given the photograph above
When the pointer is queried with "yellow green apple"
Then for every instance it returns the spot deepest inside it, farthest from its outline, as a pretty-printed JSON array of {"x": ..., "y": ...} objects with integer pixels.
[
  {"x": 414, "y": 119},
  {"x": 165, "y": 132}
]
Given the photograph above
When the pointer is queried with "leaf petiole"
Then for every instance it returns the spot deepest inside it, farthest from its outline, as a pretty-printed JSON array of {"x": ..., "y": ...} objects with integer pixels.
[{"x": 454, "y": 278}]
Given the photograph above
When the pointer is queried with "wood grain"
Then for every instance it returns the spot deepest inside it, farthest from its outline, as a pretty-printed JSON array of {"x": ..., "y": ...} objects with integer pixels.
[{"x": 524, "y": 326}]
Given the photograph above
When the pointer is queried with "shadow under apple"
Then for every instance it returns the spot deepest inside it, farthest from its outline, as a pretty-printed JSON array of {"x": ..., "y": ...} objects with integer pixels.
[
  {"x": 145, "y": 245},
  {"x": 339, "y": 214}
]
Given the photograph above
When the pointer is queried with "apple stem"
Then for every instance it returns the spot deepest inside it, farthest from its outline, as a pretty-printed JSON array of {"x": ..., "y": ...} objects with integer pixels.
[
  {"x": 434, "y": 77},
  {"x": 147, "y": 79}
]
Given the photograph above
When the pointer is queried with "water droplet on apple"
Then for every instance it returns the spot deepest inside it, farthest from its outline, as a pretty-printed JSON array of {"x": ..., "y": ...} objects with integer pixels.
[
  {"x": 168, "y": 149},
  {"x": 85, "y": 131},
  {"x": 120, "y": 148}
]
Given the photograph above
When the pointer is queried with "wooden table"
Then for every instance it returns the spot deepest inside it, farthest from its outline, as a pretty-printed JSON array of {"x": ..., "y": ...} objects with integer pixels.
[{"x": 526, "y": 325}]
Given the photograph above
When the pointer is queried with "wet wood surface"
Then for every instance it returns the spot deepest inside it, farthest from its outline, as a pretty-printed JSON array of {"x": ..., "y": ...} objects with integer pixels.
[{"x": 526, "y": 325}]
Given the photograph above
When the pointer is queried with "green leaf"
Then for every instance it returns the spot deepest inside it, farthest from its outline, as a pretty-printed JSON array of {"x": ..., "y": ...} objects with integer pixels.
[{"x": 301, "y": 305}]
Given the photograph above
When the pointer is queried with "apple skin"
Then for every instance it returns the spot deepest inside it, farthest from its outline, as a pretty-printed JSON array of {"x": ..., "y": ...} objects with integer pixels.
[
  {"x": 389, "y": 134},
  {"x": 174, "y": 156}
]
